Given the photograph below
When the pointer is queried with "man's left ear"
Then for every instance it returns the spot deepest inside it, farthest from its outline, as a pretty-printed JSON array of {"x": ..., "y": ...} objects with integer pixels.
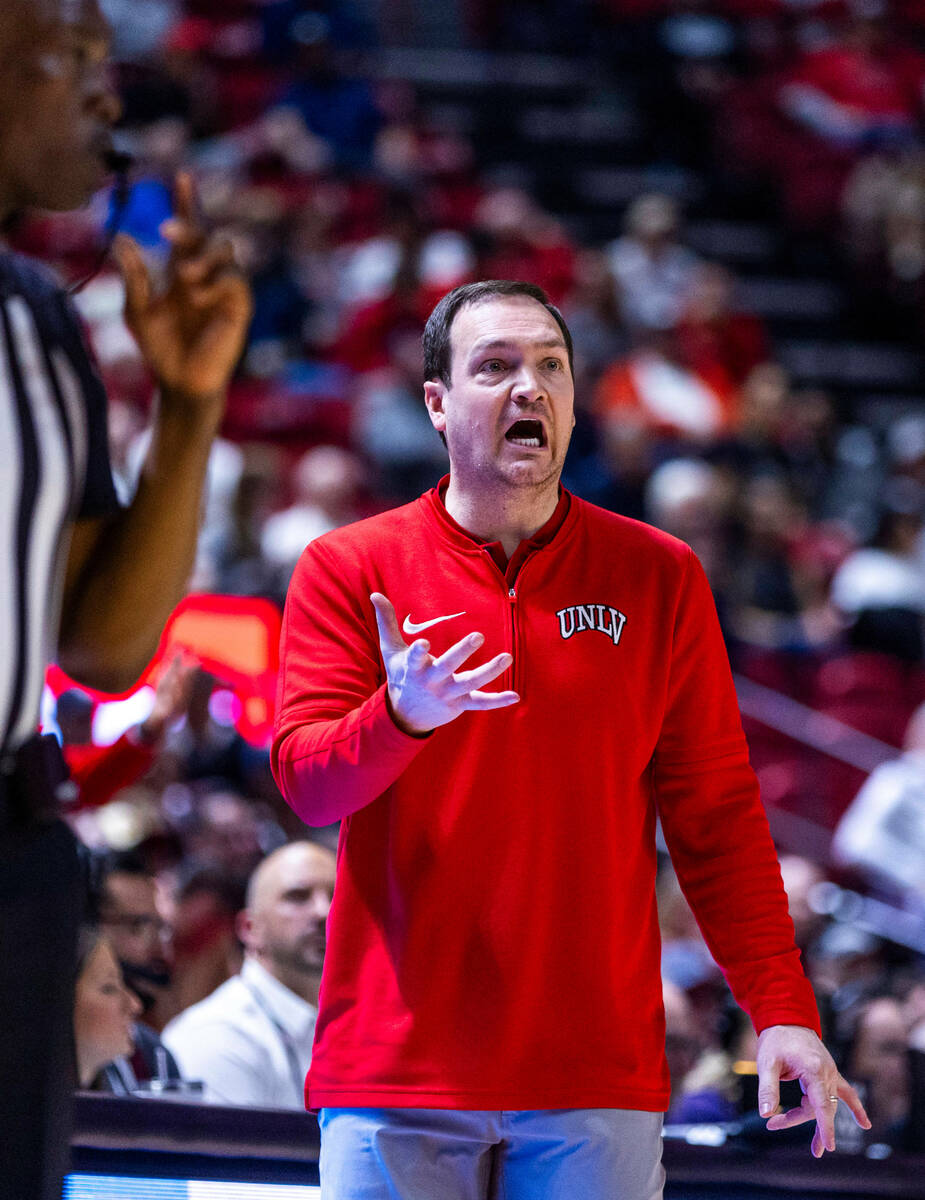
[
  {"x": 244, "y": 928},
  {"x": 434, "y": 396}
]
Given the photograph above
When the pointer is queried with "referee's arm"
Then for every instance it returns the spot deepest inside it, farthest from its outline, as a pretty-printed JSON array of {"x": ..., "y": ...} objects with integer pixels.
[{"x": 125, "y": 573}]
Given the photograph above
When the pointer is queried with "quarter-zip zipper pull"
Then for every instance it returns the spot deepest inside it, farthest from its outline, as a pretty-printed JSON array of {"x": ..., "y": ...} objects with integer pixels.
[{"x": 512, "y": 593}]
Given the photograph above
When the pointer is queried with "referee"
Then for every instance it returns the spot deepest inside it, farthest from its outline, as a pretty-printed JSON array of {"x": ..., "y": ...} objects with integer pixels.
[{"x": 79, "y": 576}]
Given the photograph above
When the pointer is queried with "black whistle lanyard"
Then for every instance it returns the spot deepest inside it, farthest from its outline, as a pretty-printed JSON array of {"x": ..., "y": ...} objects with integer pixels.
[{"x": 121, "y": 164}]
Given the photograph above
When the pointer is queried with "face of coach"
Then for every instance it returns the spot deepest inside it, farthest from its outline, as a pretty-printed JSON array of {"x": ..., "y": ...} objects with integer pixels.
[
  {"x": 504, "y": 398},
  {"x": 57, "y": 105}
]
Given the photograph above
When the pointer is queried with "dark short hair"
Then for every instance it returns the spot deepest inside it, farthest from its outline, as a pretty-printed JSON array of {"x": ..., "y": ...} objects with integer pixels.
[{"x": 436, "y": 339}]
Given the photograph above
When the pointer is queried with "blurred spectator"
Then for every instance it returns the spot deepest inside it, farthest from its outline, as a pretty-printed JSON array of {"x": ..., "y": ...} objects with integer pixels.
[
  {"x": 130, "y": 917},
  {"x": 882, "y": 834},
  {"x": 656, "y": 387},
  {"x": 883, "y": 206},
  {"x": 390, "y": 422},
  {"x": 809, "y": 443},
  {"x": 206, "y": 746},
  {"x": 415, "y": 152},
  {"x": 515, "y": 239},
  {"x": 716, "y": 337},
  {"x": 686, "y": 961},
  {"x": 592, "y": 311},
  {"x": 653, "y": 271},
  {"x": 754, "y": 446},
  {"x": 905, "y": 444},
  {"x": 846, "y": 966},
  {"x": 348, "y": 24},
  {"x": 223, "y": 472},
  {"x": 241, "y": 568},
  {"x": 716, "y": 1087},
  {"x": 368, "y": 329},
  {"x": 104, "y": 1011},
  {"x": 688, "y": 498},
  {"x": 800, "y": 877},
  {"x": 325, "y": 481},
  {"x": 250, "y": 1041},
  {"x": 860, "y": 94},
  {"x": 206, "y": 947},
  {"x": 880, "y": 589},
  {"x": 615, "y": 468},
  {"x": 682, "y": 1043},
  {"x": 225, "y": 833},
  {"x": 138, "y": 34},
  {"x": 281, "y": 309},
  {"x": 766, "y": 608},
  {"x": 336, "y": 108},
  {"x": 876, "y": 1057},
  {"x": 101, "y": 771}
]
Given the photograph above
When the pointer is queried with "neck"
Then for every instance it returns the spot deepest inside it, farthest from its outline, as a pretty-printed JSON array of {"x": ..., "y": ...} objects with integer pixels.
[
  {"x": 505, "y": 515},
  {"x": 304, "y": 983},
  {"x": 87, "y": 1070}
]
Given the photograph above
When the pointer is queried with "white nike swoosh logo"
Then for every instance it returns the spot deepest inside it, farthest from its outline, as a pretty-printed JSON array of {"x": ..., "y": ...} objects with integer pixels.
[{"x": 416, "y": 626}]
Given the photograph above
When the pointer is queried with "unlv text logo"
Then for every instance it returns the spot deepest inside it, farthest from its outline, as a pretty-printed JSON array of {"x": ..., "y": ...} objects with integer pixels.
[{"x": 602, "y": 617}]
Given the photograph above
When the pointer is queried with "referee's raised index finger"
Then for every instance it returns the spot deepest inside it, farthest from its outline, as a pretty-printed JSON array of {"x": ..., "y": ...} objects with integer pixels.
[
  {"x": 184, "y": 197},
  {"x": 386, "y": 622}
]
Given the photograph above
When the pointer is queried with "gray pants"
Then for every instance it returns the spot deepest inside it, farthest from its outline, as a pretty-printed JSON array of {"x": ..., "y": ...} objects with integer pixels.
[{"x": 452, "y": 1154}]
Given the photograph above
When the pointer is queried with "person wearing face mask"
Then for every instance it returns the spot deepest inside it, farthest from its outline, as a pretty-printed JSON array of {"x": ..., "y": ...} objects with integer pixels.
[{"x": 141, "y": 941}]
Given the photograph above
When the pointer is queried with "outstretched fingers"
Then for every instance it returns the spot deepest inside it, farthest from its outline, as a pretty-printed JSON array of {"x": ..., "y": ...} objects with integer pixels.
[
  {"x": 469, "y": 681},
  {"x": 481, "y": 701},
  {"x": 184, "y": 196},
  {"x": 135, "y": 276},
  {"x": 457, "y": 654},
  {"x": 847, "y": 1093}
]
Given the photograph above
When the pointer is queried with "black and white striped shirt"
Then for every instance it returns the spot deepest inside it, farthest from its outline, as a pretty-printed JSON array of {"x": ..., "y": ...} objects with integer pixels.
[{"x": 54, "y": 468}]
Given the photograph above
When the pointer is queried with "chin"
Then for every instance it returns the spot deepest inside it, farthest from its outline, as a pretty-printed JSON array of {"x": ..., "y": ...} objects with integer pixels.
[
  {"x": 532, "y": 472},
  {"x": 76, "y": 188}
]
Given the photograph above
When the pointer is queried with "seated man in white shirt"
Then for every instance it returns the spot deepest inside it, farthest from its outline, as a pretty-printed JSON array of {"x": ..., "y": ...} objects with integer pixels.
[{"x": 251, "y": 1040}]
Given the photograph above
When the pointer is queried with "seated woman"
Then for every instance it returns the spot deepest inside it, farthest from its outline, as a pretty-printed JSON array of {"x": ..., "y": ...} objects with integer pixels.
[{"x": 104, "y": 1013}]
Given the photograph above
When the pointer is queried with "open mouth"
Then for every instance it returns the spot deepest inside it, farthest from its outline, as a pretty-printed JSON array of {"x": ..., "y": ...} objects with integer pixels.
[{"x": 527, "y": 432}]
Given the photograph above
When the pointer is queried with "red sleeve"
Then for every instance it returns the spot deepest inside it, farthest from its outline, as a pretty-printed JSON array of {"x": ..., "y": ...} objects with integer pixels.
[
  {"x": 336, "y": 747},
  {"x": 101, "y": 771},
  {"x": 715, "y": 825}
]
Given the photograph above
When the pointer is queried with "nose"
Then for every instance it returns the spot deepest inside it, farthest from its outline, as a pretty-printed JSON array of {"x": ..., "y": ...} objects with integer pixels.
[
  {"x": 528, "y": 387},
  {"x": 102, "y": 98},
  {"x": 132, "y": 1003},
  {"x": 321, "y": 903}
]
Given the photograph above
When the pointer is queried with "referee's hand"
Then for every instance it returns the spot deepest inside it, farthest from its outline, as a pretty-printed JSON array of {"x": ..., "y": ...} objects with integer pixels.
[
  {"x": 426, "y": 692},
  {"x": 192, "y": 330}
]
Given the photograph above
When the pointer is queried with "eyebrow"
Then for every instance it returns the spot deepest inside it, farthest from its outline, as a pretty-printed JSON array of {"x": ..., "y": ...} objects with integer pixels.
[{"x": 507, "y": 344}]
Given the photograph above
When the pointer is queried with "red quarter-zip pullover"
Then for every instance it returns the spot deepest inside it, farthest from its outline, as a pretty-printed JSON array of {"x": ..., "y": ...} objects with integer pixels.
[{"x": 493, "y": 941}]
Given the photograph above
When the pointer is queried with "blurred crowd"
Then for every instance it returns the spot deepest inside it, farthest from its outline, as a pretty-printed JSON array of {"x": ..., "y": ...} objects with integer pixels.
[{"x": 354, "y": 208}]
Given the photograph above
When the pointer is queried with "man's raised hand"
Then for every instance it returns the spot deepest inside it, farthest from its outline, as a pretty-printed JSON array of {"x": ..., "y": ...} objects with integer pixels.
[{"x": 426, "y": 692}]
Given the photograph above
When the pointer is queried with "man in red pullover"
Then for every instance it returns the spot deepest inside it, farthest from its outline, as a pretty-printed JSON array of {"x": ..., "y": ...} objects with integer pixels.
[{"x": 480, "y": 1034}]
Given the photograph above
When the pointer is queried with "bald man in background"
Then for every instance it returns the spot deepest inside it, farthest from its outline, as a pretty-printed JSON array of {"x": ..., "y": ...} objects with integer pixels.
[
  {"x": 82, "y": 580},
  {"x": 251, "y": 1040}
]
